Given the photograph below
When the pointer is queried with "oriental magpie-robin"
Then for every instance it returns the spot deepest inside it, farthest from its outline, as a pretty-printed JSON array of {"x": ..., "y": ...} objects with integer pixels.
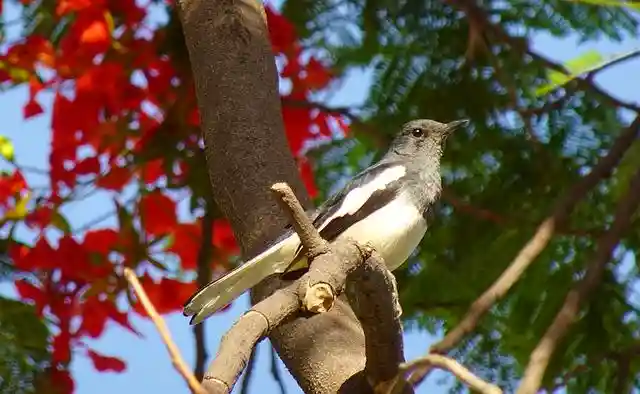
[{"x": 386, "y": 205}]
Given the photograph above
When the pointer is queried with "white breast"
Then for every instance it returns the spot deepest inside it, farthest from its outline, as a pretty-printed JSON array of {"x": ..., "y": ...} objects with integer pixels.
[{"x": 394, "y": 230}]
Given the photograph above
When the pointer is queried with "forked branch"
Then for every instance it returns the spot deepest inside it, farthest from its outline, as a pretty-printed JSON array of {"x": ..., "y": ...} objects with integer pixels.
[{"x": 331, "y": 268}]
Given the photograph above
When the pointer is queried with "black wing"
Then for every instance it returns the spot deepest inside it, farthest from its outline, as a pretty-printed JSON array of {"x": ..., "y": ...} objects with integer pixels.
[{"x": 332, "y": 226}]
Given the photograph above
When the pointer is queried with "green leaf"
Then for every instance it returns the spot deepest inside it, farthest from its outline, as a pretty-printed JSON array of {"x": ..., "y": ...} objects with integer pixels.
[
  {"x": 23, "y": 347},
  {"x": 610, "y": 3},
  {"x": 577, "y": 66},
  {"x": 589, "y": 61},
  {"x": 58, "y": 220}
]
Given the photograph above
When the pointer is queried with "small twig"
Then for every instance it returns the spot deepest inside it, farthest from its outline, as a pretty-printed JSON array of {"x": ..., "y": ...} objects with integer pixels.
[
  {"x": 568, "y": 313},
  {"x": 161, "y": 326},
  {"x": 319, "y": 296},
  {"x": 203, "y": 277},
  {"x": 309, "y": 236},
  {"x": 472, "y": 381},
  {"x": 101, "y": 218},
  {"x": 626, "y": 57},
  {"x": 250, "y": 368},
  {"x": 275, "y": 372},
  {"x": 535, "y": 246},
  {"x": 622, "y": 376}
]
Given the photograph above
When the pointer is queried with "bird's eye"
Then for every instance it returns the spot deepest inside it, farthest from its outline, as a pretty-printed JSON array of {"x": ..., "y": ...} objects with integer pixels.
[{"x": 417, "y": 132}]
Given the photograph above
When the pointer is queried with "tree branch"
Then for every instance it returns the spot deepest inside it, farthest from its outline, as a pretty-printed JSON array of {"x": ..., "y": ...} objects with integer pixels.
[
  {"x": 448, "y": 364},
  {"x": 158, "y": 321},
  {"x": 331, "y": 267},
  {"x": 568, "y": 313},
  {"x": 480, "y": 19},
  {"x": 629, "y": 353},
  {"x": 236, "y": 83},
  {"x": 203, "y": 277},
  {"x": 562, "y": 211}
]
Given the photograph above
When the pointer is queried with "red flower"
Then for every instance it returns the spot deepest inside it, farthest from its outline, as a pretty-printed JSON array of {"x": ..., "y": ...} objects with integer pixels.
[
  {"x": 101, "y": 241},
  {"x": 158, "y": 213},
  {"x": 96, "y": 313},
  {"x": 167, "y": 295}
]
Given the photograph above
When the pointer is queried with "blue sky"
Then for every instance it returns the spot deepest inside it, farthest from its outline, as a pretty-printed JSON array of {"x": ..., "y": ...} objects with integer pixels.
[{"x": 149, "y": 368}]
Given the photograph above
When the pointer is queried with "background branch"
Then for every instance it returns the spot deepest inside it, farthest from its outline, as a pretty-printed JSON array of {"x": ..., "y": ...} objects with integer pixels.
[
  {"x": 231, "y": 58},
  {"x": 458, "y": 370},
  {"x": 161, "y": 326},
  {"x": 203, "y": 277},
  {"x": 568, "y": 313},
  {"x": 275, "y": 372},
  {"x": 478, "y": 16}
]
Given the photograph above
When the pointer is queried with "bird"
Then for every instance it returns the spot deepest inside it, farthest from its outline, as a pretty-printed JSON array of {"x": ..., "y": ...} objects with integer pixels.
[{"x": 387, "y": 206}]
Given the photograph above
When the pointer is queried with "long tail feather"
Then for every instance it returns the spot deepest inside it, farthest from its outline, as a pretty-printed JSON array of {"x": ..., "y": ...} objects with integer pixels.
[{"x": 222, "y": 291}]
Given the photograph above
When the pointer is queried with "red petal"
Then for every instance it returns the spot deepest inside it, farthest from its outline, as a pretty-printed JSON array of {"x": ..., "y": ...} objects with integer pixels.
[
  {"x": 106, "y": 363},
  {"x": 32, "y": 109},
  {"x": 167, "y": 296},
  {"x": 90, "y": 165},
  {"x": 223, "y": 237},
  {"x": 40, "y": 217},
  {"x": 62, "y": 381},
  {"x": 297, "y": 123},
  {"x": 317, "y": 76},
  {"x": 281, "y": 31},
  {"x": 152, "y": 171},
  {"x": 28, "y": 291},
  {"x": 158, "y": 213},
  {"x": 116, "y": 179},
  {"x": 95, "y": 314},
  {"x": 186, "y": 243},
  {"x": 38, "y": 257},
  {"x": 61, "y": 348},
  {"x": 101, "y": 241}
]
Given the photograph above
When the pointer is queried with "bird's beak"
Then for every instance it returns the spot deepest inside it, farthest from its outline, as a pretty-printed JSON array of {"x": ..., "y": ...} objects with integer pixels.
[{"x": 456, "y": 124}]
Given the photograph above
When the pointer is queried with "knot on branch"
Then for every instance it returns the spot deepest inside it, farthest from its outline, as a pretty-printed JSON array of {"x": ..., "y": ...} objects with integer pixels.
[{"x": 319, "y": 298}]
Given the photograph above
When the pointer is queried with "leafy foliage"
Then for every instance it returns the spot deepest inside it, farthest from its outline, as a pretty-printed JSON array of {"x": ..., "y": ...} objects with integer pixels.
[
  {"x": 23, "y": 347},
  {"x": 535, "y": 131}
]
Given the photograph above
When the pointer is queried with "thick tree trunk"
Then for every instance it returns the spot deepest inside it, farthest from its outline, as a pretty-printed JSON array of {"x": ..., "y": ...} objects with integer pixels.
[{"x": 246, "y": 149}]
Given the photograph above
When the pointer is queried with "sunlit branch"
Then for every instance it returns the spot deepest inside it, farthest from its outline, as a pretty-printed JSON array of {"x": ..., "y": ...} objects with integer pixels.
[{"x": 162, "y": 328}]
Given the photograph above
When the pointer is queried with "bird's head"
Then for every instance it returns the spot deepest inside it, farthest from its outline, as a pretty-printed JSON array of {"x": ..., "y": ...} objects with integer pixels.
[{"x": 424, "y": 138}]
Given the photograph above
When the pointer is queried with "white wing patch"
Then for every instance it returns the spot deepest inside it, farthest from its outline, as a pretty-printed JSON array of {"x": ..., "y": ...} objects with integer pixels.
[{"x": 357, "y": 197}]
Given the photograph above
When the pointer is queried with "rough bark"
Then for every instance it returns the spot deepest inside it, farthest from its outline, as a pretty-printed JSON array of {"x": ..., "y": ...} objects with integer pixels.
[{"x": 246, "y": 149}]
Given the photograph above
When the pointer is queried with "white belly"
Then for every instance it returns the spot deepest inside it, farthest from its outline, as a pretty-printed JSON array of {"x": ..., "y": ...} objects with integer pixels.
[{"x": 394, "y": 231}]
